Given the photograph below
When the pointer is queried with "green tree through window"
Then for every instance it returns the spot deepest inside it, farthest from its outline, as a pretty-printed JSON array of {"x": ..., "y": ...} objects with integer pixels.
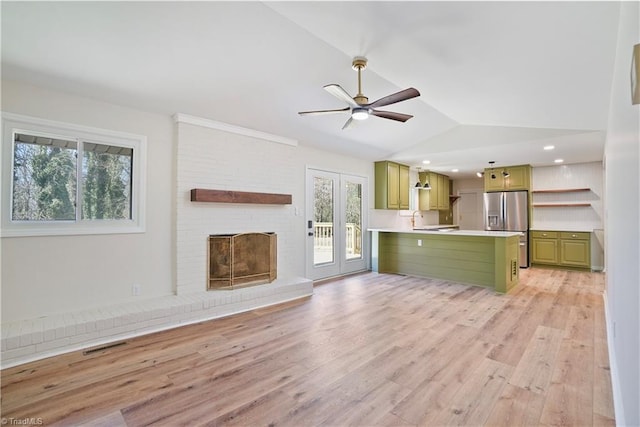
[
  {"x": 106, "y": 179},
  {"x": 44, "y": 179},
  {"x": 45, "y": 171}
]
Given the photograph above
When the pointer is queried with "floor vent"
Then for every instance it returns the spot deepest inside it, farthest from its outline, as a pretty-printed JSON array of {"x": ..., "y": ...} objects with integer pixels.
[{"x": 104, "y": 347}]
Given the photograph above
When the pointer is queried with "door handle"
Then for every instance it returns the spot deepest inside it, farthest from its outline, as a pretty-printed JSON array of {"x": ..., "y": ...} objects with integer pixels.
[{"x": 310, "y": 233}]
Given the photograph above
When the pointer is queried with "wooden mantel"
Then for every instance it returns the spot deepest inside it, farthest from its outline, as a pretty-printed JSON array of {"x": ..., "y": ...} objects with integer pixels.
[{"x": 225, "y": 196}]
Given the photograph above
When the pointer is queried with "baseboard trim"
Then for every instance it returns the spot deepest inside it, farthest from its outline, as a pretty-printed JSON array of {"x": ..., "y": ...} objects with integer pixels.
[
  {"x": 613, "y": 367},
  {"x": 24, "y": 341}
]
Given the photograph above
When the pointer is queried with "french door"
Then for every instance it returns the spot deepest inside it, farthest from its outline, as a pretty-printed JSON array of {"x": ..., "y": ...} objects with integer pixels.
[{"x": 336, "y": 221}]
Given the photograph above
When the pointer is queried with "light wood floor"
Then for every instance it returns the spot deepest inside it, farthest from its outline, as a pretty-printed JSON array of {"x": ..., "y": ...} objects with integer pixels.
[{"x": 370, "y": 349}]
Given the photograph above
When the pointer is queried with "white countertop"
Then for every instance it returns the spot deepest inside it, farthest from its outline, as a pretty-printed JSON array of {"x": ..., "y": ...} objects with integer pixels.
[
  {"x": 449, "y": 231},
  {"x": 437, "y": 227}
]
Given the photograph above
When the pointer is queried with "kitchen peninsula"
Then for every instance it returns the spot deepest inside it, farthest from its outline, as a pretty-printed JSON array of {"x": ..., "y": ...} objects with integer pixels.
[{"x": 484, "y": 258}]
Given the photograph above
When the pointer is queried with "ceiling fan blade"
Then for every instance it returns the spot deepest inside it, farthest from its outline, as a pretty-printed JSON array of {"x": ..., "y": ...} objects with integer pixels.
[
  {"x": 403, "y": 95},
  {"x": 319, "y": 112},
  {"x": 338, "y": 92},
  {"x": 348, "y": 123},
  {"x": 400, "y": 117}
]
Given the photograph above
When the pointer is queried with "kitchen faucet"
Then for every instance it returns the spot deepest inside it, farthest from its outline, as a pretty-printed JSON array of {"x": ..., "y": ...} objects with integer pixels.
[{"x": 413, "y": 218}]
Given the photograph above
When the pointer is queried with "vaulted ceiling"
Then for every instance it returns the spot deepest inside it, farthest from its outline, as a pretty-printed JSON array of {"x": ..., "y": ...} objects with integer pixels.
[{"x": 498, "y": 80}]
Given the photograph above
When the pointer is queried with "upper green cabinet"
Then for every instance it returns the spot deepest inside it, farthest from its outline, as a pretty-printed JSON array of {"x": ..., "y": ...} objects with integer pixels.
[
  {"x": 438, "y": 197},
  {"x": 391, "y": 185},
  {"x": 430, "y": 196},
  {"x": 518, "y": 178}
]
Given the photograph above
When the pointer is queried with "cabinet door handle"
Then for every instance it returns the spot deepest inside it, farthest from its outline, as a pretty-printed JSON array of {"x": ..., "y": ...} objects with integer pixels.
[
  {"x": 544, "y": 234},
  {"x": 573, "y": 235}
]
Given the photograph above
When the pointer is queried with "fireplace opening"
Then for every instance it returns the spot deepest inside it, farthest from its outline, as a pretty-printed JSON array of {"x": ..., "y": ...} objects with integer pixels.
[{"x": 239, "y": 260}]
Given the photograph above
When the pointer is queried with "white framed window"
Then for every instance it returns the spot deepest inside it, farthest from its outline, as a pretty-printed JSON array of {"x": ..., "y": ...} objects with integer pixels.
[{"x": 61, "y": 179}]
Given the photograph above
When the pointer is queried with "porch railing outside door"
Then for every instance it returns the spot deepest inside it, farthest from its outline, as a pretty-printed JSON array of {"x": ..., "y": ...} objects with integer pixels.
[{"x": 323, "y": 241}]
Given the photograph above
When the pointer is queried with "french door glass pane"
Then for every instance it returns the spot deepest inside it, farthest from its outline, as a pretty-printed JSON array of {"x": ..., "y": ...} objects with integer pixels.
[
  {"x": 354, "y": 220},
  {"x": 323, "y": 241}
]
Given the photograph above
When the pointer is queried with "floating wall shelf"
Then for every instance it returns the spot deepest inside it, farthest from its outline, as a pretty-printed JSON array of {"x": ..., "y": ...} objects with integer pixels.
[
  {"x": 561, "y": 190},
  {"x": 225, "y": 196},
  {"x": 560, "y": 205}
]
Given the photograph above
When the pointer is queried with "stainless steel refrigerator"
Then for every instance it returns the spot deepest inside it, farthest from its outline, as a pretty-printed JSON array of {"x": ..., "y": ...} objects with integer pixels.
[{"x": 509, "y": 211}]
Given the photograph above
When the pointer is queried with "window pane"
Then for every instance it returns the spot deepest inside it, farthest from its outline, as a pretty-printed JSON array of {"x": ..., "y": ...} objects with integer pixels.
[
  {"x": 106, "y": 181},
  {"x": 354, "y": 221},
  {"x": 323, "y": 221},
  {"x": 44, "y": 178}
]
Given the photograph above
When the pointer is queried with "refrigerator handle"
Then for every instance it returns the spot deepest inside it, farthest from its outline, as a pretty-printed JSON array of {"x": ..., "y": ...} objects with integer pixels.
[{"x": 503, "y": 210}]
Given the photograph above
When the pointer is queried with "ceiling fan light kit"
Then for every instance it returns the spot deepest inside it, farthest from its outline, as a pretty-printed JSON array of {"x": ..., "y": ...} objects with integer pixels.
[
  {"x": 359, "y": 105},
  {"x": 360, "y": 114}
]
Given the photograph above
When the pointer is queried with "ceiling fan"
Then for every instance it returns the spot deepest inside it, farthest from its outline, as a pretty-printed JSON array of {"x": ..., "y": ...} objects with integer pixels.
[{"x": 359, "y": 105}]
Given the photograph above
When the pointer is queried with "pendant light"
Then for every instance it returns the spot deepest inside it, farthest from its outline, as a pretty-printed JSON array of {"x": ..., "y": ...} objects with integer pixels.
[
  {"x": 493, "y": 175},
  {"x": 419, "y": 184}
]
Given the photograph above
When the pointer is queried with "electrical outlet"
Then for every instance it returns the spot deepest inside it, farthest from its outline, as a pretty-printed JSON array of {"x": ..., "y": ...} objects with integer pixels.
[
  {"x": 419, "y": 242},
  {"x": 135, "y": 289}
]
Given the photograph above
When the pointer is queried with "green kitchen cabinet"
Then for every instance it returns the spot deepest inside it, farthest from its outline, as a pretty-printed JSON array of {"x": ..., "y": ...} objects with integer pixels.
[
  {"x": 575, "y": 249},
  {"x": 437, "y": 198},
  {"x": 443, "y": 193},
  {"x": 391, "y": 185},
  {"x": 561, "y": 249},
  {"x": 493, "y": 180},
  {"x": 485, "y": 260},
  {"x": 544, "y": 246},
  {"x": 519, "y": 178},
  {"x": 433, "y": 196},
  {"x": 424, "y": 196},
  {"x": 404, "y": 187}
]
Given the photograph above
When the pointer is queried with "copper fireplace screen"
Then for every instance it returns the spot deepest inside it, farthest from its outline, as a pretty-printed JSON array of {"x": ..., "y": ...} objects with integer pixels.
[{"x": 238, "y": 260}]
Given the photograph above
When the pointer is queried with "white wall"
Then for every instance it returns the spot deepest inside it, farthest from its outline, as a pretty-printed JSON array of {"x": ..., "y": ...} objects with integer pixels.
[
  {"x": 49, "y": 275},
  {"x": 622, "y": 224},
  {"x": 579, "y": 175},
  {"x": 46, "y": 275}
]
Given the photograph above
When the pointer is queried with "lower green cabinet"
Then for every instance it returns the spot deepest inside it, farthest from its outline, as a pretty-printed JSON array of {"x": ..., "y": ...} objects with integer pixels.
[
  {"x": 561, "y": 248},
  {"x": 544, "y": 251},
  {"x": 575, "y": 249}
]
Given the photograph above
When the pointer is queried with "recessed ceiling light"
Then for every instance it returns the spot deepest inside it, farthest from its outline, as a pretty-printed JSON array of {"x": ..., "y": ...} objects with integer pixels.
[
  {"x": 426, "y": 162},
  {"x": 558, "y": 160},
  {"x": 454, "y": 170},
  {"x": 549, "y": 147}
]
